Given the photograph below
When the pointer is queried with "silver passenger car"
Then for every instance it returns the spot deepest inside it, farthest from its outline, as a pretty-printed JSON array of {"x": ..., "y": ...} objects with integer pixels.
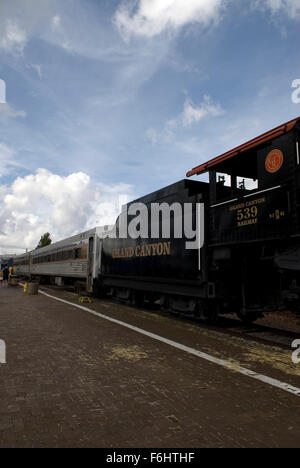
[{"x": 75, "y": 258}]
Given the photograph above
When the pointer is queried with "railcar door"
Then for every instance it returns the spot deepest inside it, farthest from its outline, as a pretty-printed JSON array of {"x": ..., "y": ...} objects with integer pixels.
[{"x": 90, "y": 264}]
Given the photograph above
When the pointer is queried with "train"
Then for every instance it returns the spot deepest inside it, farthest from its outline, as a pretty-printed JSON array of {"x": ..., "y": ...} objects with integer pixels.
[
  {"x": 6, "y": 261},
  {"x": 72, "y": 261},
  {"x": 244, "y": 258}
]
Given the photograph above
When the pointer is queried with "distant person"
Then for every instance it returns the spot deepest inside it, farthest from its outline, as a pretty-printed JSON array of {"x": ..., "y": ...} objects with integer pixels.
[
  {"x": 1, "y": 278},
  {"x": 5, "y": 274}
]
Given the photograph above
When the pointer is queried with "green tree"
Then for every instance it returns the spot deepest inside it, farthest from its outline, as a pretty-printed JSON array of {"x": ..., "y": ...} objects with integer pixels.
[{"x": 44, "y": 241}]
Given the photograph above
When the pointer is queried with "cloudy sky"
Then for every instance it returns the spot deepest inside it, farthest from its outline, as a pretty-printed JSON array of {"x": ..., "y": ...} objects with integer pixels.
[{"x": 108, "y": 97}]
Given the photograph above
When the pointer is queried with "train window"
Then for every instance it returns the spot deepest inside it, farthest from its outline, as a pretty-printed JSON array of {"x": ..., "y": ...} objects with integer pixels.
[
  {"x": 224, "y": 180},
  {"x": 247, "y": 184},
  {"x": 239, "y": 183},
  {"x": 77, "y": 253},
  {"x": 223, "y": 186},
  {"x": 231, "y": 177},
  {"x": 70, "y": 254}
]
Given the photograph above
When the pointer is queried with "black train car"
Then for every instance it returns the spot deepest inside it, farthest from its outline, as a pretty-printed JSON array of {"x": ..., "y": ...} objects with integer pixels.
[
  {"x": 250, "y": 219},
  {"x": 152, "y": 268},
  {"x": 254, "y": 223}
]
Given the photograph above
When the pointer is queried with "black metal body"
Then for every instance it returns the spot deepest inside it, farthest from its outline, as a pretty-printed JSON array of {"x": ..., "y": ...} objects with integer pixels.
[
  {"x": 250, "y": 262},
  {"x": 254, "y": 235},
  {"x": 159, "y": 267}
]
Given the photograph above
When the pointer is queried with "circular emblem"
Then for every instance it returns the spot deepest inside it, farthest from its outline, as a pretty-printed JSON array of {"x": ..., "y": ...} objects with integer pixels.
[{"x": 274, "y": 161}]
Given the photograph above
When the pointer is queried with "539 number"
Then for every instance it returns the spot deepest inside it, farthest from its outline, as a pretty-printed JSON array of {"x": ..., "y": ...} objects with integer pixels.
[{"x": 247, "y": 213}]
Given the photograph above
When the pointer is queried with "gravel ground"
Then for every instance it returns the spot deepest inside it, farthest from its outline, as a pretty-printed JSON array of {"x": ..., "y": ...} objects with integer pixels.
[{"x": 284, "y": 320}]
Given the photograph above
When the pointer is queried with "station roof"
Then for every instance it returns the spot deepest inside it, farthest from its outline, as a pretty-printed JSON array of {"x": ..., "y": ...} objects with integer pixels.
[{"x": 250, "y": 145}]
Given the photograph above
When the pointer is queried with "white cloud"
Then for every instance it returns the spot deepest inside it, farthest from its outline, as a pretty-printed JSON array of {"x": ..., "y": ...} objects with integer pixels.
[
  {"x": 193, "y": 114},
  {"x": 7, "y": 160},
  {"x": 6, "y": 110},
  {"x": 190, "y": 115},
  {"x": 56, "y": 23},
  {"x": 291, "y": 8},
  {"x": 38, "y": 69},
  {"x": 152, "y": 135},
  {"x": 61, "y": 36},
  {"x": 13, "y": 39},
  {"x": 46, "y": 202},
  {"x": 151, "y": 17}
]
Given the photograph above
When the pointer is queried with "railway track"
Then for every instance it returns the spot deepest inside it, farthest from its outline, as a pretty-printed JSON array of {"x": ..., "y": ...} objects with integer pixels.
[
  {"x": 227, "y": 325},
  {"x": 263, "y": 333}
]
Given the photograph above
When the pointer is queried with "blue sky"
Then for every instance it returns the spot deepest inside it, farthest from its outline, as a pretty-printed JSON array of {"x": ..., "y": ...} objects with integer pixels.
[{"x": 125, "y": 97}]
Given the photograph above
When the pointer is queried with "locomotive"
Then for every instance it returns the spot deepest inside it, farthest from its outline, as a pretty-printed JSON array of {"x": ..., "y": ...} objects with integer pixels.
[{"x": 245, "y": 257}]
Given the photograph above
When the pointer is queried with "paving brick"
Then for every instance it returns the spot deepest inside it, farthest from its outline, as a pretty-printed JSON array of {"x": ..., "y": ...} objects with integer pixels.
[{"x": 74, "y": 380}]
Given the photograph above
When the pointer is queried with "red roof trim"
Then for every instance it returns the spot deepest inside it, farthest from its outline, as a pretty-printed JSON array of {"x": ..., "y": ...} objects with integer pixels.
[{"x": 285, "y": 128}]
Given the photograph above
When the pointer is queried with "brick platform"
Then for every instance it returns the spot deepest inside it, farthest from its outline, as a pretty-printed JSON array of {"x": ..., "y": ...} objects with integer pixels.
[{"x": 74, "y": 380}]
